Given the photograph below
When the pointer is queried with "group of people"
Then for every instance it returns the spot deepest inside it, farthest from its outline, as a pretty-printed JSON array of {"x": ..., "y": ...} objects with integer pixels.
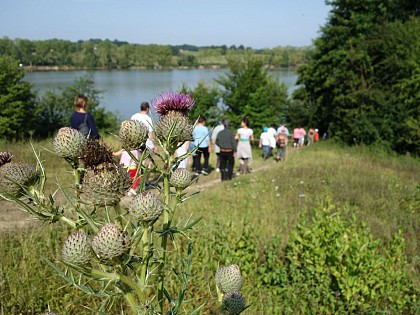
[
  {"x": 227, "y": 146},
  {"x": 226, "y": 143},
  {"x": 278, "y": 138}
]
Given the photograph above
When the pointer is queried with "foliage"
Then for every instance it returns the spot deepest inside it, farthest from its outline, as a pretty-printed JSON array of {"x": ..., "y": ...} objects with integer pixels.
[
  {"x": 249, "y": 91},
  {"x": 106, "y": 54},
  {"x": 56, "y": 107},
  {"x": 17, "y": 102},
  {"x": 257, "y": 211},
  {"x": 206, "y": 102},
  {"x": 334, "y": 265},
  {"x": 360, "y": 84}
]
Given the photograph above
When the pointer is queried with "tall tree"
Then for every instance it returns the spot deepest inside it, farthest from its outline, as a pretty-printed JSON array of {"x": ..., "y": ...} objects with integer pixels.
[
  {"x": 17, "y": 102},
  {"x": 341, "y": 82},
  {"x": 249, "y": 90}
]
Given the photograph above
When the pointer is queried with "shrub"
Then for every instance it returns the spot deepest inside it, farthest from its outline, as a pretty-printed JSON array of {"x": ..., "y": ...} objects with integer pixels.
[{"x": 332, "y": 264}]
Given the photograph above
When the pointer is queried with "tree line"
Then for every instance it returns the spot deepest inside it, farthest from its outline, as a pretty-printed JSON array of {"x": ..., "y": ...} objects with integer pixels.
[
  {"x": 360, "y": 84},
  {"x": 106, "y": 54}
]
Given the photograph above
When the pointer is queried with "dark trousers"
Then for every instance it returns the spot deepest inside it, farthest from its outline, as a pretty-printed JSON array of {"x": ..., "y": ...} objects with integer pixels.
[
  {"x": 226, "y": 165},
  {"x": 197, "y": 159}
]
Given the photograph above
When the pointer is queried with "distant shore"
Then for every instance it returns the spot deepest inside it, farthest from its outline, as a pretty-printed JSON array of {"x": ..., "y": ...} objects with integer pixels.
[{"x": 71, "y": 68}]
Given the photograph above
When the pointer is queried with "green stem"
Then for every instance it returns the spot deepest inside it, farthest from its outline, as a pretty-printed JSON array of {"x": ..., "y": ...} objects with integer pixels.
[
  {"x": 132, "y": 302},
  {"x": 120, "y": 277},
  {"x": 146, "y": 253},
  {"x": 68, "y": 221},
  {"x": 166, "y": 224},
  {"x": 117, "y": 208}
]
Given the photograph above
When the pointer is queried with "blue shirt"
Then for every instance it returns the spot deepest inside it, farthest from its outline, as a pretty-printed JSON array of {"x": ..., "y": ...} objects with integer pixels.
[
  {"x": 201, "y": 136},
  {"x": 77, "y": 119}
]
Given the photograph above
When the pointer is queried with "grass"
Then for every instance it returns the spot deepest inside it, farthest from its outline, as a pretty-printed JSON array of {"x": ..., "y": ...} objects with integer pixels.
[{"x": 240, "y": 218}]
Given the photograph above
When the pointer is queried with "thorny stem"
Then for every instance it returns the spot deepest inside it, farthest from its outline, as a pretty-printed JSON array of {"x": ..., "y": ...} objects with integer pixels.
[
  {"x": 166, "y": 224},
  {"x": 147, "y": 230}
]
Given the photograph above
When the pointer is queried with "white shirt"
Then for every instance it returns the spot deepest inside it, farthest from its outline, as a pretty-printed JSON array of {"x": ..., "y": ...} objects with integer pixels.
[
  {"x": 265, "y": 138},
  {"x": 147, "y": 121},
  {"x": 216, "y": 130},
  {"x": 272, "y": 132}
]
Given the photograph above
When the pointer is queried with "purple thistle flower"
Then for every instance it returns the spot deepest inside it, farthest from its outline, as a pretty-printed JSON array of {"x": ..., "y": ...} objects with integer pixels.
[{"x": 169, "y": 101}]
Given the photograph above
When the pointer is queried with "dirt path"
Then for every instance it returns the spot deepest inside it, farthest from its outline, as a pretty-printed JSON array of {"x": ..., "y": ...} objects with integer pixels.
[{"x": 12, "y": 217}]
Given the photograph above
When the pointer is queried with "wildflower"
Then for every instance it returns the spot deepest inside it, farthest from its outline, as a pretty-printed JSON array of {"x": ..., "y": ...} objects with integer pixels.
[
  {"x": 146, "y": 207},
  {"x": 172, "y": 129},
  {"x": 95, "y": 152},
  {"x": 172, "y": 101},
  {"x": 133, "y": 134},
  {"x": 180, "y": 178},
  {"x": 76, "y": 249},
  {"x": 16, "y": 176},
  {"x": 110, "y": 242},
  {"x": 105, "y": 184},
  {"x": 5, "y": 157},
  {"x": 228, "y": 278},
  {"x": 233, "y": 303},
  {"x": 68, "y": 143}
]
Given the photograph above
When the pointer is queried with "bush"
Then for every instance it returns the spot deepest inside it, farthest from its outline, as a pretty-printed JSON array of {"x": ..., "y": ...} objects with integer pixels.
[{"x": 332, "y": 264}]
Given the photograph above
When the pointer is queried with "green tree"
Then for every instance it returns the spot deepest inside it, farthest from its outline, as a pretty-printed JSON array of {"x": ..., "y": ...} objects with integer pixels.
[
  {"x": 206, "y": 102},
  {"x": 249, "y": 90},
  {"x": 56, "y": 107},
  {"x": 17, "y": 102},
  {"x": 349, "y": 81}
]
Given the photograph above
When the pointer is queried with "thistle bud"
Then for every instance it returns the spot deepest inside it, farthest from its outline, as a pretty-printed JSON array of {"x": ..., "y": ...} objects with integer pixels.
[
  {"x": 68, "y": 143},
  {"x": 5, "y": 157},
  {"x": 229, "y": 278},
  {"x": 15, "y": 176},
  {"x": 146, "y": 207},
  {"x": 172, "y": 129},
  {"x": 133, "y": 134},
  {"x": 105, "y": 184},
  {"x": 180, "y": 178},
  {"x": 110, "y": 242},
  {"x": 76, "y": 249},
  {"x": 233, "y": 303}
]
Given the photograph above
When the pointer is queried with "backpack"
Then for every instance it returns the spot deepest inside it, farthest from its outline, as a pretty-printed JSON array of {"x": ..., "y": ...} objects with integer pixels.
[
  {"x": 281, "y": 141},
  {"x": 84, "y": 128}
]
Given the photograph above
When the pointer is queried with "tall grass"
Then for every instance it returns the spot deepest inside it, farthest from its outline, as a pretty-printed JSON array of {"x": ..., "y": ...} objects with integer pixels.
[{"x": 241, "y": 219}]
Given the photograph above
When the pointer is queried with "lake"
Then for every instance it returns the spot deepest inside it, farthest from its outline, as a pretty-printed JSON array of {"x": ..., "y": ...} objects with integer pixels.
[{"x": 124, "y": 90}]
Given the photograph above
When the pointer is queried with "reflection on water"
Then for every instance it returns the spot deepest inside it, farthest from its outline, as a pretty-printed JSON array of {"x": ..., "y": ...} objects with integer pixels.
[{"x": 124, "y": 90}]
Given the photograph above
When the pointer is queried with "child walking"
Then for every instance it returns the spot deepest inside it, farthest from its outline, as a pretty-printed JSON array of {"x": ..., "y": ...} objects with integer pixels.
[{"x": 131, "y": 165}]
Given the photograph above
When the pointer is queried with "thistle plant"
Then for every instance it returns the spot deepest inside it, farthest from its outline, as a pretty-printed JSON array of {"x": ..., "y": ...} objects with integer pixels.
[
  {"x": 228, "y": 285},
  {"x": 116, "y": 250}
]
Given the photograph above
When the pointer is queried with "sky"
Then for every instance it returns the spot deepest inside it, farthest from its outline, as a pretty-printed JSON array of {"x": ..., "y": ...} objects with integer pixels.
[{"x": 252, "y": 23}]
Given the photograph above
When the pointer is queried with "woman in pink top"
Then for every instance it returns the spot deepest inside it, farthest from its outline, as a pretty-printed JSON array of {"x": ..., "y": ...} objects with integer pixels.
[{"x": 296, "y": 137}]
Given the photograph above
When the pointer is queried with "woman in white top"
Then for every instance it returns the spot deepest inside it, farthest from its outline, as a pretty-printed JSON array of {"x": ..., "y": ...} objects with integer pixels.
[{"x": 244, "y": 135}]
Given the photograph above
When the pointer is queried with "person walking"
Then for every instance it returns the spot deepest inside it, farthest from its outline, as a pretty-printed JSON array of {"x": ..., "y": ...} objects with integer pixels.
[
  {"x": 127, "y": 161},
  {"x": 244, "y": 135},
  {"x": 311, "y": 135},
  {"x": 226, "y": 141},
  {"x": 296, "y": 137},
  {"x": 302, "y": 137},
  {"x": 82, "y": 120},
  {"x": 202, "y": 142},
  {"x": 265, "y": 143},
  {"x": 281, "y": 146},
  {"x": 272, "y": 132},
  {"x": 214, "y": 134},
  {"x": 144, "y": 117}
]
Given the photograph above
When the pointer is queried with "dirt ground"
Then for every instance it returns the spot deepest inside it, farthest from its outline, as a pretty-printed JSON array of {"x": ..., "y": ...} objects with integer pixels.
[{"x": 12, "y": 217}]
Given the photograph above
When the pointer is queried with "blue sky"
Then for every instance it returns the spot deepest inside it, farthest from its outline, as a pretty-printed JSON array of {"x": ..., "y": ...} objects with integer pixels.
[{"x": 252, "y": 23}]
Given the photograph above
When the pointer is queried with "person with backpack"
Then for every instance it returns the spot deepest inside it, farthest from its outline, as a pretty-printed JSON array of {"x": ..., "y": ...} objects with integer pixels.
[
  {"x": 281, "y": 144},
  {"x": 82, "y": 120}
]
